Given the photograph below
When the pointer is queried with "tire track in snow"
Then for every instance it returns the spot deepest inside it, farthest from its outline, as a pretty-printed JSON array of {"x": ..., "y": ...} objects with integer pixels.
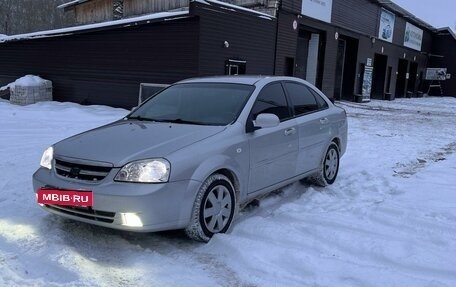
[{"x": 406, "y": 170}]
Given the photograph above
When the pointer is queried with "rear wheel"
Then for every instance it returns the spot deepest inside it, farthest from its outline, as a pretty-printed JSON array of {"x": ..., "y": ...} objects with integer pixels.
[
  {"x": 329, "y": 167},
  {"x": 213, "y": 210}
]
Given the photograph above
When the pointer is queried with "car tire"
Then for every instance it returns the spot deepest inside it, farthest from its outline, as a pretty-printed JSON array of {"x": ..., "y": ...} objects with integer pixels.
[
  {"x": 329, "y": 167},
  {"x": 213, "y": 210}
]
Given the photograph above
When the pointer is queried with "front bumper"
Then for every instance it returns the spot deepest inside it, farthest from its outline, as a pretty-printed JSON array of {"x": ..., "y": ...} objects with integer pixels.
[{"x": 164, "y": 206}]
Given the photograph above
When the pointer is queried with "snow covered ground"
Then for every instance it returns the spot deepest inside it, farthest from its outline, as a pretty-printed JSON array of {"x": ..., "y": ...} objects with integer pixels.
[{"x": 389, "y": 220}]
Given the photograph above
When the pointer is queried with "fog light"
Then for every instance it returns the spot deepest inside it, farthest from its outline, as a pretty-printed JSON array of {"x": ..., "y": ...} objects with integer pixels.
[{"x": 131, "y": 219}]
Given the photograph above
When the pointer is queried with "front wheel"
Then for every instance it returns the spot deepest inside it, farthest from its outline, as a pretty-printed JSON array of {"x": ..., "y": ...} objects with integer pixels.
[
  {"x": 329, "y": 167},
  {"x": 213, "y": 210}
]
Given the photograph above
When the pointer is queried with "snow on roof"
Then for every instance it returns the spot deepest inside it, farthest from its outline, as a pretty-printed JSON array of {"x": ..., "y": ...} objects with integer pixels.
[
  {"x": 208, "y": 2},
  {"x": 71, "y": 30},
  {"x": 71, "y": 3}
]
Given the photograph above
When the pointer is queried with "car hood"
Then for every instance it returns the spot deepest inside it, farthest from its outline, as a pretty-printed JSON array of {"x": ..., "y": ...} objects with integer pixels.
[{"x": 125, "y": 141}]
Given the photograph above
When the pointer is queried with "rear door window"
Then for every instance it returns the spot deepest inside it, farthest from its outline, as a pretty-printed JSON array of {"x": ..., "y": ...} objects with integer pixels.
[
  {"x": 302, "y": 99},
  {"x": 322, "y": 104},
  {"x": 272, "y": 100}
]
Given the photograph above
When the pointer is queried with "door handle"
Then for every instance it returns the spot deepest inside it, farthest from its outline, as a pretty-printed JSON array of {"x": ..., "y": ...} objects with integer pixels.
[
  {"x": 290, "y": 131},
  {"x": 324, "y": 121}
]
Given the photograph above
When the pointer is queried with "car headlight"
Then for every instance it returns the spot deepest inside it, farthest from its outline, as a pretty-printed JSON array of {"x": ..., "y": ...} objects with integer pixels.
[
  {"x": 46, "y": 159},
  {"x": 146, "y": 171}
]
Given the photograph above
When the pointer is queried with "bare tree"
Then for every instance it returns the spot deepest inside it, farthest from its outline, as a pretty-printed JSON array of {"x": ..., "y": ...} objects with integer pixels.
[
  {"x": 23, "y": 16},
  {"x": 6, "y": 7}
]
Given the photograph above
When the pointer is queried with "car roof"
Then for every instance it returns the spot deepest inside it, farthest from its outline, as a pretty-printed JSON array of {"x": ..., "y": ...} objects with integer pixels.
[
  {"x": 248, "y": 80},
  {"x": 239, "y": 79}
]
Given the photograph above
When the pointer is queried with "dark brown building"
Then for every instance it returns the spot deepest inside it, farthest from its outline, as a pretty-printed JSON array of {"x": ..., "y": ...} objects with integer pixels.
[
  {"x": 353, "y": 49},
  {"x": 104, "y": 63},
  {"x": 350, "y": 49},
  {"x": 444, "y": 56}
]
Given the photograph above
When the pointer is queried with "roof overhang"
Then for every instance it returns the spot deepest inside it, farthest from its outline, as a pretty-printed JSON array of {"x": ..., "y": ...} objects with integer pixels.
[
  {"x": 447, "y": 30},
  {"x": 393, "y": 7},
  {"x": 71, "y": 4},
  {"x": 123, "y": 23}
]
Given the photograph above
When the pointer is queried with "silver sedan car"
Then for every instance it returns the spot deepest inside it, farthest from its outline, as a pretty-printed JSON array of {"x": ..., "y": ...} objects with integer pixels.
[{"x": 193, "y": 154}]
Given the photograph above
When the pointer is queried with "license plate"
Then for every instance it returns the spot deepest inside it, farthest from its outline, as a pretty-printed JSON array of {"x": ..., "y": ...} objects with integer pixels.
[{"x": 65, "y": 197}]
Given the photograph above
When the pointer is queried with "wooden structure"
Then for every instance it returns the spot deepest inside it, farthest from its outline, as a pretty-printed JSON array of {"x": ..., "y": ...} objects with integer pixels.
[
  {"x": 94, "y": 11},
  {"x": 105, "y": 64}
]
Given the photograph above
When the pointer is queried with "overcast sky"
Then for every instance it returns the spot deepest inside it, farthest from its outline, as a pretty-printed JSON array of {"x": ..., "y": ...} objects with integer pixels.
[{"x": 438, "y": 13}]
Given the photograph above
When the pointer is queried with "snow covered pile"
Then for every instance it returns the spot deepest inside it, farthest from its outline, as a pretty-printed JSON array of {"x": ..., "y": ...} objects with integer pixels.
[
  {"x": 3, "y": 36},
  {"x": 388, "y": 220},
  {"x": 25, "y": 81},
  {"x": 29, "y": 89}
]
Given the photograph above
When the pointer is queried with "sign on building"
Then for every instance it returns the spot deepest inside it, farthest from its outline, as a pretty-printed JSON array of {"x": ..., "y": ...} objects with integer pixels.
[
  {"x": 367, "y": 83},
  {"x": 317, "y": 9},
  {"x": 386, "y": 27},
  {"x": 413, "y": 37},
  {"x": 436, "y": 74}
]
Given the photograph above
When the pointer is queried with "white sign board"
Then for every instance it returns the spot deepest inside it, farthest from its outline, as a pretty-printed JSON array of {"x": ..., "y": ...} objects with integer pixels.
[
  {"x": 317, "y": 9},
  {"x": 413, "y": 37},
  {"x": 386, "y": 27},
  {"x": 436, "y": 74}
]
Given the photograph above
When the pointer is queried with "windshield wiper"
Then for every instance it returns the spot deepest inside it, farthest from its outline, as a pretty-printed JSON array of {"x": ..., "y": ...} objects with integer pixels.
[
  {"x": 181, "y": 121},
  {"x": 174, "y": 121},
  {"x": 139, "y": 118}
]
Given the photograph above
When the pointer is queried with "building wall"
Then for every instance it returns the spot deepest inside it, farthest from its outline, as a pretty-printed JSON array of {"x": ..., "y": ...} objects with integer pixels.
[
  {"x": 444, "y": 45},
  {"x": 287, "y": 40},
  {"x": 359, "y": 20},
  {"x": 106, "y": 67},
  {"x": 251, "y": 38},
  {"x": 356, "y": 15}
]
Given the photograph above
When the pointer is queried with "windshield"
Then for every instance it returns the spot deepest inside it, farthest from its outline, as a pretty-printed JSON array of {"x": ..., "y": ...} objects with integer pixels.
[{"x": 196, "y": 103}]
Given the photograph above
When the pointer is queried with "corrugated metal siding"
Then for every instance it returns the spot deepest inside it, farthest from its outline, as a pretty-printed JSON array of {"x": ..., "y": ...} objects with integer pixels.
[
  {"x": 445, "y": 45},
  {"x": 292, "y": 6},
  {"x": 287, "y": 41},
  {"x": 106, "y": 67},
  {"x": 399, "y": 31},
  {"x": 358, "y": 15},
  {"x": 427, "y": 41},
  {"x": 250, "y": 37}
]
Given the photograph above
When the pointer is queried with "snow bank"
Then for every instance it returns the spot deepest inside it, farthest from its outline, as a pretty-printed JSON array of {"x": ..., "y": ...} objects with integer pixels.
[
  {"x": 388, "y": 220},
  {"x": 29, "y": 89},
  {"x": 26, "y": 81}
]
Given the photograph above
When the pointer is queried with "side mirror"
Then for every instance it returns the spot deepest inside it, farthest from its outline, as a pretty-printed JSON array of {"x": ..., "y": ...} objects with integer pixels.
[{"x": 266, "y": 121}]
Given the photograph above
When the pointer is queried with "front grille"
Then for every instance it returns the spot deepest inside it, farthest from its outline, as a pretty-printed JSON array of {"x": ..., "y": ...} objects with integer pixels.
[
  {"x": 82, "y": 212},
  {"x": 81, "y": 171}
]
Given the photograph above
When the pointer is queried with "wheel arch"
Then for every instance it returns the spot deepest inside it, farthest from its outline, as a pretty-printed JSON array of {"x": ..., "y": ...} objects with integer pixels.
[
  {"x": 336, "y": 140},
  {"x": 221, "y": 165},
  {"x": 231, "y": 175}
]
